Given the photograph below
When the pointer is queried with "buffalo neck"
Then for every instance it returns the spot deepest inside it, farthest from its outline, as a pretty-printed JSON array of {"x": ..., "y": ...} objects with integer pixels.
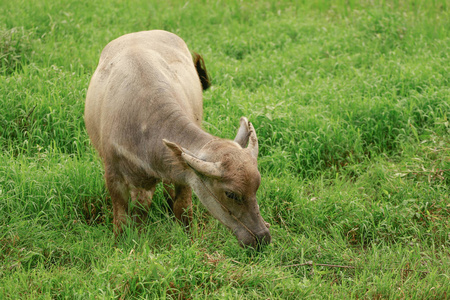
[{"x": 185, "y": 133}]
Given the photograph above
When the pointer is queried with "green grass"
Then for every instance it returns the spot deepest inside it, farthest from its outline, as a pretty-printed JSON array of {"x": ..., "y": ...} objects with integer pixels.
[{"x": 350, "y": 101}]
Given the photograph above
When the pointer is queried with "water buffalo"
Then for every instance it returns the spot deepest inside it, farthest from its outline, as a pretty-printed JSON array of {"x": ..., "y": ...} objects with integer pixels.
[{"x": 143, "y": 114}]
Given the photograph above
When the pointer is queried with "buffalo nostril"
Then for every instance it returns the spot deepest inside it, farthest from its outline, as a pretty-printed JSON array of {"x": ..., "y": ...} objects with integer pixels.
[
  {"x": 262, "y": 239},
  {"x": 256, "y": 240}
]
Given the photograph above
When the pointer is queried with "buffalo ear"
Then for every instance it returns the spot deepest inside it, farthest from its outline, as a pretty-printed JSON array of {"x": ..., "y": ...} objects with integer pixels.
[
  {"x": 176, "y": 149},
  {"x": 253, "y": 141},
  {"x": 209, "y": 169},
  {"x": 247, "y": 135},
  {"x": 243, "y": 133}
]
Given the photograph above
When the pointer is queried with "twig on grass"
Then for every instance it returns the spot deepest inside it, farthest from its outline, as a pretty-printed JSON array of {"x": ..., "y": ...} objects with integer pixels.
[
  {"x": 311, "y": 263},
  {"x": 237, "y": 262},
  {"x": 30, "y": 112},
  {"x": 425, "y": 171}
]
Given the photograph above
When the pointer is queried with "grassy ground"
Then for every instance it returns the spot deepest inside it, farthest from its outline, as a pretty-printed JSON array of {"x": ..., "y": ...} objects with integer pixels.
[{"x": 350, "y": 101}]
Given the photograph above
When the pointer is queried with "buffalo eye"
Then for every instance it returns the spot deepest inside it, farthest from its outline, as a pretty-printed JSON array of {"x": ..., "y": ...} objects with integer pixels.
[{"x": 233, "y": 196}]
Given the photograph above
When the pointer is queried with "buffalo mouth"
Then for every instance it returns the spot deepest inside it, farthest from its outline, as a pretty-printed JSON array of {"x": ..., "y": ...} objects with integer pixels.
[{"x": 255, "y": 240}]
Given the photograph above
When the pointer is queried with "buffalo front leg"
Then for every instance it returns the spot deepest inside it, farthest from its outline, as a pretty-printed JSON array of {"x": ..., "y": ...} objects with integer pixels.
[
  {"x": 179, "y": 199},
  {"x": 141, "y": 201},
  {"x": 182, "y": 206},
  {"x": 169, "y": 194},
  {"x": 180, "y": 202},
  {"x": 119, "y": 193}
]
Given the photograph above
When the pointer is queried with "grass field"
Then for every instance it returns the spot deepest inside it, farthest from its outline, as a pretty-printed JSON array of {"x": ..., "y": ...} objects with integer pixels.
[{"x": 351, "y": 104}]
